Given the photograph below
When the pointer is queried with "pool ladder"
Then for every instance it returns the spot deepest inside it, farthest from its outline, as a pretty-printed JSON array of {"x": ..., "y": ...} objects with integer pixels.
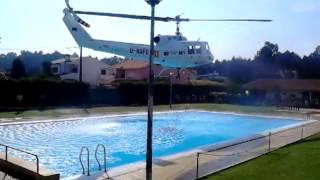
[{"x": 85, "y": 149}]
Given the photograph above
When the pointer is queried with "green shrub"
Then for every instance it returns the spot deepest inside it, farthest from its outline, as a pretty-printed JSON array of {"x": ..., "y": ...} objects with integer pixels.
[
  {"x": 42, "y": 92},
  {"x": 135, "y": 92}
]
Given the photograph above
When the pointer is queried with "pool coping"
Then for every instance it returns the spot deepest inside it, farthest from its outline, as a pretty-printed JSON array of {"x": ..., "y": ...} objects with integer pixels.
[
  {"x": 131, "y": 167},
  {"x": 140, "y": 113}
]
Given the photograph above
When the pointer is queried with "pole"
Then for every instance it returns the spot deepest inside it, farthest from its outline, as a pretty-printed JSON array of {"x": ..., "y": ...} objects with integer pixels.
[
  {"x": 269, "y": 145},
  {"x": 80, "y": 65},
  {"x": 170, "y": 91},
  {"x": 150, "y": 100},
  {"x": 197, "y": 173}
]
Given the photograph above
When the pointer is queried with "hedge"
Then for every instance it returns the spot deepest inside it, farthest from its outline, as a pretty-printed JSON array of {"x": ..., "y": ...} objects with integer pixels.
[
  {"x": 135, "y": 92},
  {"x": 42, "y": 92}
]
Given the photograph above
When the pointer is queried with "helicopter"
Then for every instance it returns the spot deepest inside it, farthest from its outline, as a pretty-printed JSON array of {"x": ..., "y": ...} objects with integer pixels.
[{"x": 171, "y": 51}]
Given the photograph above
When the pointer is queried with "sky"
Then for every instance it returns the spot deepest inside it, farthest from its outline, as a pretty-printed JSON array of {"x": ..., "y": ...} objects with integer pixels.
[{"x": 37, "y": 24}]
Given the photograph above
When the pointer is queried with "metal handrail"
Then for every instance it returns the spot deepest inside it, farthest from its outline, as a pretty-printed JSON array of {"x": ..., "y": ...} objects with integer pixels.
[
  {"x": 301, "y": 127},
  {"x": 9, "y": 147},
  {"x": 88, "y": 159},
  {"x": 104, "y": 157}
]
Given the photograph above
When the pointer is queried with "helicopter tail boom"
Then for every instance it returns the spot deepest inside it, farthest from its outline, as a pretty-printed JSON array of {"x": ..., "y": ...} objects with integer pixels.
[
  {"x": 83, "y": 39},
  {"x": 80, "y": 35}
]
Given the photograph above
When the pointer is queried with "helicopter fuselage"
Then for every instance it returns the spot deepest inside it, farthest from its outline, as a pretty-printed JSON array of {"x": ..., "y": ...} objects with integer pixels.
[{"x": 172, "y": 51}]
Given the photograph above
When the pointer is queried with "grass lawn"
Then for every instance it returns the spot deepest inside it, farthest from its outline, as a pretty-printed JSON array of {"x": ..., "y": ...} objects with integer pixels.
[
  {"x": 300, "y": 161},
  {"x": 62, "y": 112}
]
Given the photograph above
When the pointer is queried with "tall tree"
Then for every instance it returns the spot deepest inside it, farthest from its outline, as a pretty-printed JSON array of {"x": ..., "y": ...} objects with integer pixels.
[
  {"x": 18, "y": 69},
  {"x": 267, "y": 53}
]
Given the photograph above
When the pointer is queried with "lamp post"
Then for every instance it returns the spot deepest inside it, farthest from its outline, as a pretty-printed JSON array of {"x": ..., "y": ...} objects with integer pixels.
[
  {"x": 170, "y": 100},
  {"x": 152, "y": 3},
  {"x": 80, "y": 65}
]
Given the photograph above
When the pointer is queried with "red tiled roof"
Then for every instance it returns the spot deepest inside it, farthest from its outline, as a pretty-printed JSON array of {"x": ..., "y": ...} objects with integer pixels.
[
  {"x": 284, "y": 84},
  {"x": 132, "y": 65}
]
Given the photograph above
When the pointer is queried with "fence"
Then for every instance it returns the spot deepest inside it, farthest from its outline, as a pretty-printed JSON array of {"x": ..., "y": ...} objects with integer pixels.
[
  {"x": 218, "y": 159},
  {"x": 6, "y": 155}
]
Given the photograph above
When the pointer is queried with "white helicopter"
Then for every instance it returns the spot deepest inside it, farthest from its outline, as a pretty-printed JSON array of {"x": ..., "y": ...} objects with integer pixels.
[{"x": 171, "y": 51}]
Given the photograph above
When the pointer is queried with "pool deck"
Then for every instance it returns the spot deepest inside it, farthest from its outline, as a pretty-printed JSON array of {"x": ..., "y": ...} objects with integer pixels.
[{"x": 183, "y": 165}]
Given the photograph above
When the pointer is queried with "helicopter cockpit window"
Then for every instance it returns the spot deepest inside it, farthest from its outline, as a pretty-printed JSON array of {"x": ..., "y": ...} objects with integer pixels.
[
  {"x": 207, "y": 47},
  {"x": 166, "y": 53},
  {"x": 198, "y": 49},
  {"x": 190, "y": 50}
]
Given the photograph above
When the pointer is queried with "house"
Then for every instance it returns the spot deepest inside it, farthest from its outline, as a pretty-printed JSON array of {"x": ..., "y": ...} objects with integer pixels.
[
  {"x": 279, "y": 91},
  {"x": 182, "y": 76},
  {"x": 139, "y": 70},
  {"x": 132, "y": 70},
  {"x": 94, "y": 72}
]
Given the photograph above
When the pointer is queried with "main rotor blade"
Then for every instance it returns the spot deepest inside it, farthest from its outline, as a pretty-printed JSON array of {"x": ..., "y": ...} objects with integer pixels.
[
  {"x": 129, "y": 16},
  {"x": 165, "y": 19},
  {"x": 68, "y": 4},
  {"x": 230, "y": 20}
]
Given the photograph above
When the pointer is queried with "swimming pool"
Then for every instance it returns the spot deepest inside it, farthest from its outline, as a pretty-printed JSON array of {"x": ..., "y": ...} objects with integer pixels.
[{"x": 58, "y": 143}]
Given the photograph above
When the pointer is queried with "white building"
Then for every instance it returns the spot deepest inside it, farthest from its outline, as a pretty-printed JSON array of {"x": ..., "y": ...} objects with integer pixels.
[{"x": 94, "y": 72}]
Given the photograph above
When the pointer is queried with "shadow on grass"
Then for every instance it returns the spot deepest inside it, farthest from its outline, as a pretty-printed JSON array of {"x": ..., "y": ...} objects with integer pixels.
[{"x": 316, "y": 139}]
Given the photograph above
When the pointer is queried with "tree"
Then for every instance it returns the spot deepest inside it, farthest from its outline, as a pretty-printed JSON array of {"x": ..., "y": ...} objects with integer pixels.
[
  {"x": 288, "y": 61},
  {"x": 18, "y": 69},
  {"x": 267, "y": 53},
  {"x": 46, "y": 68}
]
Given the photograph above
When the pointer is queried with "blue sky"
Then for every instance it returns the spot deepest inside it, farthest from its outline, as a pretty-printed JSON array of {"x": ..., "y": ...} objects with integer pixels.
[{"x": 37, "y": 24}]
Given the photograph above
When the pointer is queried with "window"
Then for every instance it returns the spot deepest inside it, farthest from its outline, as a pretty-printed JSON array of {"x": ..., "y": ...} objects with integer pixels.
[
  {"x": 198, "y": 49},
  {"x": 103, "y": 72},
  {"x": 166, "y": 53},
  {"x": 190, "y": 50}
]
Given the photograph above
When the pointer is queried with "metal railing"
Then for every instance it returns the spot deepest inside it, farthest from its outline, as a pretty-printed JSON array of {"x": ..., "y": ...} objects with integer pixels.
[
  {"x": 104, "y": 156},
  {"x": 255, "y": 147},
  {"x": 84, "y": 148},
  {"x": 7, "y": 148}
]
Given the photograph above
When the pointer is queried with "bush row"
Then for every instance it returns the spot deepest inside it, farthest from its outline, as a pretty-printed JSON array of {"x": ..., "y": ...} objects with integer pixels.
[
  {"x": 26, "y": 92},
  {"x": 136, "y": 92},
  {"x": 31, "y": 93}
]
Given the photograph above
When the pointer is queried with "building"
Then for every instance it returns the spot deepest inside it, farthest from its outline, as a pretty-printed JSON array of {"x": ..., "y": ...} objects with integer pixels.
[
  {"x": 139, "y": 70},
  {"x": 94, "y": 72},
  {"x": 182, "y": 76},
  {"x": 285, "y": 91},
  {"x": 132, "y": 70}
]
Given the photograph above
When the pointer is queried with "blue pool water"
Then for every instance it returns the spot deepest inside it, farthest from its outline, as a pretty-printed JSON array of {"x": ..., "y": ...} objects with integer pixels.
[{"x": 58, "y": 143}]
